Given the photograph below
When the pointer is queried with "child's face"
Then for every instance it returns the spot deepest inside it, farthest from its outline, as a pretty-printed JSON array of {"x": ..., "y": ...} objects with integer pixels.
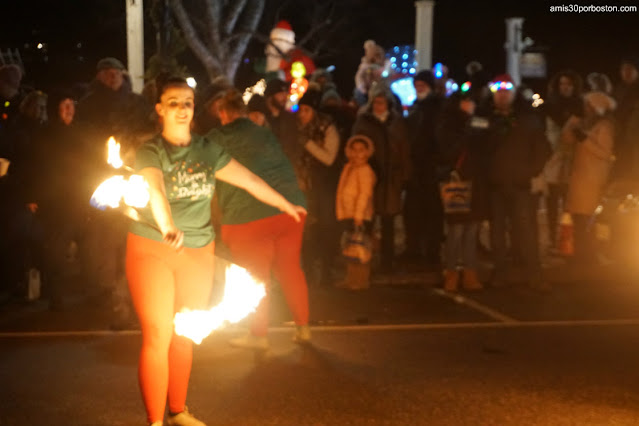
[{"x": 359, "y": 153}]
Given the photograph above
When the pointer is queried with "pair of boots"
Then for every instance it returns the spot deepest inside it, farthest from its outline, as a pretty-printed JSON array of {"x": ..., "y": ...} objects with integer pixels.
[
  {"x": 470, "y": 280},
  {"x": 357, "y": 276}
]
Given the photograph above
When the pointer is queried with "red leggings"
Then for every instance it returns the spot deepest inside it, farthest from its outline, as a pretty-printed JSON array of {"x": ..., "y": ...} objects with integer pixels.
[
  {"x": 271, "y": 245},
  {"x": 162, "y": 281}
]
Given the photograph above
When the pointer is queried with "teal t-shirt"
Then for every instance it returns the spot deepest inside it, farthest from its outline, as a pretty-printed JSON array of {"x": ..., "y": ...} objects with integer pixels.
[
  {"x": 189, "y": 179},
  {"x": 257, "y": 149}
]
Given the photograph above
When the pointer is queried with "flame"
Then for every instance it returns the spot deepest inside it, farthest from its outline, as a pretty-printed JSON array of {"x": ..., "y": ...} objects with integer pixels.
[
  {"x": 109, "y": 193},
  {"x": 136, "y": 193},
  {"x": 242, "y": 295},
  {"x": 113, "y": 156}
]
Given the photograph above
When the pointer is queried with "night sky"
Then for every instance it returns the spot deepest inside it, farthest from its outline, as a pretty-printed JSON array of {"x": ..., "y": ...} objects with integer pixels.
[{"x": 79, "y": 32}]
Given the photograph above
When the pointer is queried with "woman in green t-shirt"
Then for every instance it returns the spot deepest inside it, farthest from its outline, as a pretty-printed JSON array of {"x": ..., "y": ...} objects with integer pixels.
[{"x": 170, "y": 253}]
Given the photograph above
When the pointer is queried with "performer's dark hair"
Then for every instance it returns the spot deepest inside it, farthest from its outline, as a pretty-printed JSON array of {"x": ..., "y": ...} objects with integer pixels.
[{"x": 166, "y": 81}]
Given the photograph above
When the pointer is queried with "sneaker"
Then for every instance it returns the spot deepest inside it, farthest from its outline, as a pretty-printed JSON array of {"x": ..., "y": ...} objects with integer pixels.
[
  {"x": 158, "y": 423},
  {"x": 249, "y": 341},
  {"x": 302, "y": 335},
  {"x": 183, "y": 419}
]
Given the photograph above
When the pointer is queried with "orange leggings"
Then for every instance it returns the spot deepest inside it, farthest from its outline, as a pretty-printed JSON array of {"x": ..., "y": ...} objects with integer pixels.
[
  {"x": 162, "y": 281},
  {"x": 271, "y": 245}
]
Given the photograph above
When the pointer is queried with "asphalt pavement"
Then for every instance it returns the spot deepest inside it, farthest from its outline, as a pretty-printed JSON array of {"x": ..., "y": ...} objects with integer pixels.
[{"x": 401, "y": 353}]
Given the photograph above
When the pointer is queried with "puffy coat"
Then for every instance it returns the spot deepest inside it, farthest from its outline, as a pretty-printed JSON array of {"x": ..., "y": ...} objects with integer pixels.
[
  {"x": 591, "y": 167},
  {"x": 354, "y": 198}
]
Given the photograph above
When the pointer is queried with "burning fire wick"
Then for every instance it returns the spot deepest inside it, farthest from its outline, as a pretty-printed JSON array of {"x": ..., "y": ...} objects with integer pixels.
[
  {"x": 242, "y": 295},
  {"x": 134, "y": 190}
]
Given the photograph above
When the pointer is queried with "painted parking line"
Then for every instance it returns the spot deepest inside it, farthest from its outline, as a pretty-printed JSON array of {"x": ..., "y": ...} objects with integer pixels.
[
  {"x": 357, "y": 328},
  {"x": 473, "y": 304}
]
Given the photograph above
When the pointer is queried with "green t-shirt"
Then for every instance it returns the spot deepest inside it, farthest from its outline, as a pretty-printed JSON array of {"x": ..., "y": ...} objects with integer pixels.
[
  {"x": 257, "y": 149},
  {"x": 189, "y": 179}
]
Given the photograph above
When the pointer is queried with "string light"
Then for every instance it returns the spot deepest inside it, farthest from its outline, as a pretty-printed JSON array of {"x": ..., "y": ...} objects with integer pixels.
[{"x": 501, "y": 85}]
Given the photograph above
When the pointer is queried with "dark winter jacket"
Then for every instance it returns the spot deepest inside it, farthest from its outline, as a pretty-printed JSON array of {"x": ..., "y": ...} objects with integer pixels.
[
  {"x": 59, "y": 173},
  {"x": 627, "y": 139},
  {"x": 425, "y": 150},
  {"x": 391, "y": 161},
  {"x": 114, "y": 113},
  {"x": 560, "y": 108},
  {"x": 518, "y": 145},
  {"x": 284, "y": 126},
  {"x": 467, "y": 155}
]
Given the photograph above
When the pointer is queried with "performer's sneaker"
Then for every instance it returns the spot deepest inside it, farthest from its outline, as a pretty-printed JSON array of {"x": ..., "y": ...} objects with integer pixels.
[
  {"x": 183, "y": 419},
  {"x": 249, "y": 341},
  {"x": 302, "y": 335}
]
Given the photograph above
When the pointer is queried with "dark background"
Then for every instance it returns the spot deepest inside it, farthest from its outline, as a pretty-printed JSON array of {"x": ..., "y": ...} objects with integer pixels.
[{"x": 77, "y": 33}]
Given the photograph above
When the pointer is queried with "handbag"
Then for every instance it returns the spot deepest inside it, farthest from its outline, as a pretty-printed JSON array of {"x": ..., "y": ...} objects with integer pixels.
[
  {"x": 357, "y": 245},
  {"x": 456, "y": 194}
]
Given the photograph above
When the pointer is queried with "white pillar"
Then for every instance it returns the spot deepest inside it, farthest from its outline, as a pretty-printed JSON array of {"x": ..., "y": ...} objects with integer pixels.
[
  {"x": 424, "y": 33},
  {"x": 135, "y": 43},
  {"x": 514, "y": 47}
]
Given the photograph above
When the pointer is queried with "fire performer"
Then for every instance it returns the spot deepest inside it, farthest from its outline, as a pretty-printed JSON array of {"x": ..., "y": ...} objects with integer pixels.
[
  {"x": 259, "y": 237},
  {"x": 170, "y": 252}
]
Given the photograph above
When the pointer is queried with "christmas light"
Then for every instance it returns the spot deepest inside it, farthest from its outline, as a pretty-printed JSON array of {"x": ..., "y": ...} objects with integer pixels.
[
  {"x": 501, "y": 85},
  {"x": 299, "y": 85}
]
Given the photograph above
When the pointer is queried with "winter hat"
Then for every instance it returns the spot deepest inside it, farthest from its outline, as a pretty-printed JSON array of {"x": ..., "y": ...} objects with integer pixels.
[
  {"x": 311, "y": 98},
  {"x": 426, "y": 76},
  {"x": 56, "y": 96},
  {"x": 359, "y": 138},
  {"x": 330, "y": 93},
  {"x": 598, "y": 82},
  {"x": 109, "y": 62},
  {"x": 600, "y": 102},
  {"x": 502, "y": 82},
  {"x": 11, "y": 75},
  {"x": 380, "y": 89},
  {"x": 284, "y": 32},
  {"x": 275, "y": 86},
  {"x": 257, "y": 103},
  {"x": 321, "y": 72},
  {"x": 373, "y": 53}
]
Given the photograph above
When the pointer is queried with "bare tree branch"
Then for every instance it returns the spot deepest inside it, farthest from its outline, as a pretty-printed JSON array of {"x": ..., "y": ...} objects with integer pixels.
[
  {"x": 211, "y": 64},
  {"x": 213, "y": 19},
  {"x": 219, "y": 31},
  {"x": 250, "y": 18},
  {"x": 318, "y": 23},
  {"x": 232, "y": 15},
  {"x": 323, "y": 41}
]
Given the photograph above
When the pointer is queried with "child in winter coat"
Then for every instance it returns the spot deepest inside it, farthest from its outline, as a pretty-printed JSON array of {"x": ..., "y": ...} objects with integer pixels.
[{"x": 354, "y": 207}]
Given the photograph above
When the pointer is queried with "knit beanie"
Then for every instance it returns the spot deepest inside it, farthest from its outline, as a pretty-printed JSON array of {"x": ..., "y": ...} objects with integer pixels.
[
  {"x": 275, "y": 86},
  {"x": 426, "y": 76},
  {"x": 311, "y": 98},
  {"x": 11, "y": 75}
]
